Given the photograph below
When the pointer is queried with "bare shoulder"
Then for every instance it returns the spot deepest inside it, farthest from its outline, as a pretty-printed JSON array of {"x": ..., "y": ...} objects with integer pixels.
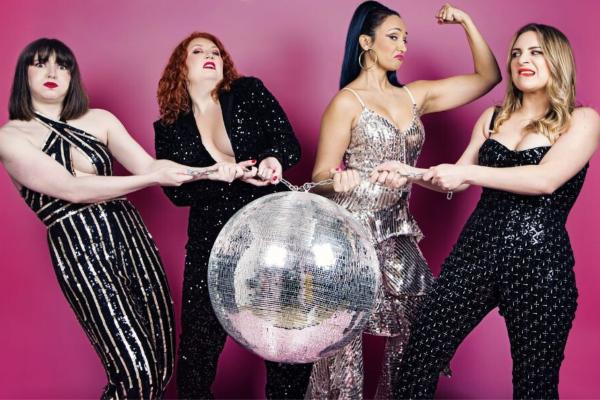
[
  {"x": 419, "y": 88},
  {"x": 486, "y": 115},
  {"x": 99, "y": 116},
  {"x": 13, "y": 136},
  {"x": 585, "y": 116},
  {"x": 345, "y": 102},
  {"x": 585, "y": 122},
  {"x": 97, "y": 122}
]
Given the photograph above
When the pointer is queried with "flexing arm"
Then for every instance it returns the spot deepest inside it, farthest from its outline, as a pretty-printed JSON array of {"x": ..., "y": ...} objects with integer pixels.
[
  {"x": 445, "y": 94},
  {"x": 566, "y": 157}
]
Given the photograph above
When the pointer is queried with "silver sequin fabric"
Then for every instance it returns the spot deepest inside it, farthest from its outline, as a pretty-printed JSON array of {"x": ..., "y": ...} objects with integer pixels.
[
  {"x": 110, "y": 272},
  {"x": 395, "y": 233}
]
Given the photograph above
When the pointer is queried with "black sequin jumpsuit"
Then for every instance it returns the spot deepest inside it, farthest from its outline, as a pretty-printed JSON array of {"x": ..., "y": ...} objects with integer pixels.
[
  {"x": 513, "y": 253},
  {"x": 257, "y": 128}
]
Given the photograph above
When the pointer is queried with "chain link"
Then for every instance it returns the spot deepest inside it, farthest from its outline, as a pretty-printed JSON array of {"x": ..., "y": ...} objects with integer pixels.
[{"x": 305, "y": 187}]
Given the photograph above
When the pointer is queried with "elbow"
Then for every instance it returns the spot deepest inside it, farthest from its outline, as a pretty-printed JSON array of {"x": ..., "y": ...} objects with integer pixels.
[
  {"x": 492, "y": 80},
  {"x": 548, "y": 187},
  {"x": 76, "y": 197}
]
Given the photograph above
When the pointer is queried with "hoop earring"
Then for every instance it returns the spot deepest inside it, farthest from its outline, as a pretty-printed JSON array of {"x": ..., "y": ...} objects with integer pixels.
[{"x": 360, "y": 56}]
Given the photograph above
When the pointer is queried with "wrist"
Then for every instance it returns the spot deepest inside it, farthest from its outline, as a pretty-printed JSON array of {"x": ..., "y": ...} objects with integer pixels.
[
  {"x": 467, "y": 22},
  {"x": 470, "y": 174}
]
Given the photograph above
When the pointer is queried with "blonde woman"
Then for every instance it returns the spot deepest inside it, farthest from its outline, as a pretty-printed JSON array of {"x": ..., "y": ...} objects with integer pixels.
[{"x": 531, "y": 156}]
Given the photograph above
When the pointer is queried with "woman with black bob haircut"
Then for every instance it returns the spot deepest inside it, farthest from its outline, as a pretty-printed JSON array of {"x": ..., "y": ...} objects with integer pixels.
[
  {"x": 530, "y": 155},
  {"x": 371, "y": 125},
  {"x": 58, "y": 153}
]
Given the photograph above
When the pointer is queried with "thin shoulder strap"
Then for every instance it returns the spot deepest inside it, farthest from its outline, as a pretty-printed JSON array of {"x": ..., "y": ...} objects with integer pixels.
[
  {"x": 490, "y": 128},
  {"x": 412, "y": 98},
  {"x": 362, "y": 103}
]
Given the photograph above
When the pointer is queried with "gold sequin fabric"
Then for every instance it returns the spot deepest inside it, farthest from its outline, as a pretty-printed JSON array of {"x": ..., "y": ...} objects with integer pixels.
[{"x": 110, "y": 272}]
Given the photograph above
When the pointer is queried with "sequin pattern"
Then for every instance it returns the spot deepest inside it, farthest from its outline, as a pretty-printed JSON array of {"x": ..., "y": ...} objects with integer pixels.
[
  {"x": 257, "y": 128},
  {"x": 513, "y": 253},
  {"x": 406, "y": 276},
  {"x": 109, "y": 270}
]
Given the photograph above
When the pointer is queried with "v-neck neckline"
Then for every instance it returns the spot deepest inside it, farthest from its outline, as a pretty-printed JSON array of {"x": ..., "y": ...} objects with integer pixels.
[{"x": 225, "y": 104}]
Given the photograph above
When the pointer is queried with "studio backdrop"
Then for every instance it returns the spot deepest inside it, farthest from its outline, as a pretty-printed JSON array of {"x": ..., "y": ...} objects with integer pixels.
[{"x": 296, "y": 48}]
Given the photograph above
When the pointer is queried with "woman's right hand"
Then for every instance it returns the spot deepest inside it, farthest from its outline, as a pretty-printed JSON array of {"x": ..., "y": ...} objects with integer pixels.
[
  {"x": 451, "y": 15},
  {"x": 344, "y": 181},
  {"x": 395, "y": 174}
]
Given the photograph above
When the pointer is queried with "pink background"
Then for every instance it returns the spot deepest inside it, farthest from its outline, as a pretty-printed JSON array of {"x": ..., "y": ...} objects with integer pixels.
[{"x": 296, "y": 48}]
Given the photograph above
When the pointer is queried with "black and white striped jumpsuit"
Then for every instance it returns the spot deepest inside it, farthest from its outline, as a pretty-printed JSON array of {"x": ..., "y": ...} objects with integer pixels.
[{"x": 109, "y": 269}]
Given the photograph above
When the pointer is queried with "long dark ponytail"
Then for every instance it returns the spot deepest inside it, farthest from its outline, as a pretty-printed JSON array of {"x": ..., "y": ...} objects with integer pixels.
[{"x": 367, "y": 17}]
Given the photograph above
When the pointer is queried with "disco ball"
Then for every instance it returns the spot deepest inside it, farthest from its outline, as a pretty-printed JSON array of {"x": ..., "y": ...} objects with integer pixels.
[{"x": 293, "y": 277}]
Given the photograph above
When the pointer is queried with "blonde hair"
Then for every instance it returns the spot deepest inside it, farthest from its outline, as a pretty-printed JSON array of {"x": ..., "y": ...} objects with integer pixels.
[{"x": 560, "y": 88}]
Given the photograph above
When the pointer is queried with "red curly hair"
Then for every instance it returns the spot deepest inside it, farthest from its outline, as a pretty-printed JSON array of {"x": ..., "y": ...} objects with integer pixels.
[{"x": 173, "y": 97}]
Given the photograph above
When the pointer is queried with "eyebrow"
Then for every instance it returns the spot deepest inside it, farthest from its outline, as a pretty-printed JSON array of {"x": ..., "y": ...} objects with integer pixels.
[
  {"x": 529, "y": 48},
  {"x": 395, "y": 29},
  {"x": 210, "y": 48}
]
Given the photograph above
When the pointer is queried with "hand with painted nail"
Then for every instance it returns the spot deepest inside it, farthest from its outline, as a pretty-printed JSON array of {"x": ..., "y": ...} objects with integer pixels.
[
  {"x": 268, "y": 173},
  {"x": 345, "y": 180}
]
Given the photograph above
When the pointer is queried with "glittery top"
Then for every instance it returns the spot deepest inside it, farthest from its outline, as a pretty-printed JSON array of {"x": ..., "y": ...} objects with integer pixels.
[
  {"x": 257, "y": 128},
  {"x": 61, "y": 139},
  {"x": 524, "y": 209},
  {"x": 374, "y": 140}
]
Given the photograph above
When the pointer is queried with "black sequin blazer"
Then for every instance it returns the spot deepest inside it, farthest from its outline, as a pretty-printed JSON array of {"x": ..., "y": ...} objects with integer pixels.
[{"x": 257, "y": 128}]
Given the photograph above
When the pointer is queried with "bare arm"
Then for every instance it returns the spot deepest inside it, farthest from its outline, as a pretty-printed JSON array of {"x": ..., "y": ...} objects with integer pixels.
[
  {"x": 334, "y": 139},
  {"x": 128, "y": 151},
  {"x": 565, "y": 158},
  {"x": 445, "y": 94},
  {"x": 471, "y": 154},
  {"x": 32, "y": 168}
]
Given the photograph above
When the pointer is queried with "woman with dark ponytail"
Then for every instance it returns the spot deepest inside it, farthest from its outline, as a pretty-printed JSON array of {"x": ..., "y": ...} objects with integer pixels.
[{"x": 372, "y": 126}]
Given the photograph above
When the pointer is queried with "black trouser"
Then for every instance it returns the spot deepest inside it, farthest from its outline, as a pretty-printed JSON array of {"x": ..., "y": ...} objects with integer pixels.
[
  {"x": 534, "y": 288},
  {"x": 203, "y": 339}
]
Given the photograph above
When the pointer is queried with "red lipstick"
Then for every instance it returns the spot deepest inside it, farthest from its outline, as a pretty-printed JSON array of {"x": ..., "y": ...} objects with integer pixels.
[
  {"x": 209, "y": 65},
  {"x": 50, "y": 85},
  {"x": 525, "y": 72}
]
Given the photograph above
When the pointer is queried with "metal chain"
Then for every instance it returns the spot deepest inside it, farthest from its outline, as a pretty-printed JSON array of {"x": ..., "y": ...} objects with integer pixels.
[
  {"x": 308, "y": 186},
  {"x": 305, "y": 187}
]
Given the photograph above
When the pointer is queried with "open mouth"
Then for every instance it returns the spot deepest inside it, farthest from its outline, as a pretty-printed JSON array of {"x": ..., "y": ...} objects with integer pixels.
[
  {"x": 399, "y": 57},
  {"x": 526, "y": 72},
  {"x": 50, "y": 85},
  {"x": 209, "y": 65}
]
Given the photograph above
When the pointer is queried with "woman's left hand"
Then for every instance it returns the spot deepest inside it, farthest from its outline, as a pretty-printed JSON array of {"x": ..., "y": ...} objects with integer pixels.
[
  {"x": 451, "y": 15},
  {"x": 446, "y": 176},
  {"x": 269, "y": 173}
]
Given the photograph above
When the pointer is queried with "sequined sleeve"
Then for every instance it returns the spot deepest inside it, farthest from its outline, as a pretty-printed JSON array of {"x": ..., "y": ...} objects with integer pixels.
[
  {"x": 169, "y": 147},
  {"x": 277, "y": 130}
]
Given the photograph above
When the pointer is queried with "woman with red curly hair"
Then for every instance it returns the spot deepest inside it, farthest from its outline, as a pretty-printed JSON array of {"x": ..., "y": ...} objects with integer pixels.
[{"x": 210, "y": 114}]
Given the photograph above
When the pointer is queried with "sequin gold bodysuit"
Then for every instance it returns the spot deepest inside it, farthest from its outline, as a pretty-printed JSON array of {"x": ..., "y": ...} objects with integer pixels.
[
  {"x": 406, "y": 276},
  {"x": 109, "y": 270}
]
